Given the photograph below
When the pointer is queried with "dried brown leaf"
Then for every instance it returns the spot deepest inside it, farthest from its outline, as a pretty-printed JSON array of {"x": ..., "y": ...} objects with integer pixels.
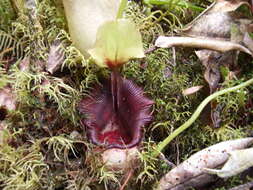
[
  {"x": 191, "y": 90},
  {"x": 227, "y": 6},
  {"x": 239, "y": 160},
  {"x": 248, "y": 41},
  {"x": 55, "y": 58},
  {"x": 7, "y": 99},
  {"x": 191, "y": 172}
]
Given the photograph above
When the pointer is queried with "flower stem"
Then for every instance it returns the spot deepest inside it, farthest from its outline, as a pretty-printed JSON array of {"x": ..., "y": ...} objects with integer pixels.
[
  {"x": 196, "y": 114},
  {"x": 122, "y": 6}
]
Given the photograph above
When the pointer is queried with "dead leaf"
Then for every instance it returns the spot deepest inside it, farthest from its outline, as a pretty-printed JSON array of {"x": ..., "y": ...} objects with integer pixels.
[
  {"x": 55, "y": 58},
  {"x": 227, "y": 6},
  {"x": 239, "y": 160},
  {"x": 248, "y": 41},
  {"x": 190, "y": 173},
  {"x": 221, "y": 22},
  {"x": 7, "y": 99},
  {"x": 191, "y": 90},
  {"x": 216, "y": 110},
  {"x": 212, "y": 60},
  {"x": 24, "y": 64},
  {"x": 214, "y": 18}
]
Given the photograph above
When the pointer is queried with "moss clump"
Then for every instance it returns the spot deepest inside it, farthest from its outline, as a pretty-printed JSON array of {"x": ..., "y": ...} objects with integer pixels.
[
  {"x": 44, "y": 145},
  {"x": 22, "y": 166}
]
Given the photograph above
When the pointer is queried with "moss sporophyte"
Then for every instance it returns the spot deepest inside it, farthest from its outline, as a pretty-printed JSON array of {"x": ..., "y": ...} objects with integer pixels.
[{"x": 116, "y": 111}]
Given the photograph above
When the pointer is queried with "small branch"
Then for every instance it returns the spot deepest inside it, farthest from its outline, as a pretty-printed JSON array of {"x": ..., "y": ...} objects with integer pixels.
[
  {"x": 150, "y": 50},
  {"x": 129, "y": 175},
  {"x": 203, "y": 43},
  {"x": 196, "y": 114},
  {"x": 169, "y": 163}
]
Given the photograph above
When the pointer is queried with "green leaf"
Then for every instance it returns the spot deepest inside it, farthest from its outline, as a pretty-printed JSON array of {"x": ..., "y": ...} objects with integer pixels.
[{"x": 117, "y": 42}]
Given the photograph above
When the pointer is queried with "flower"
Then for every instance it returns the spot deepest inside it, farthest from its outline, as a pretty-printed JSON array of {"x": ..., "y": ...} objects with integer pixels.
[
  {"x": 117, "y": 42},
  {"x": 118, "y": 127},
  {"x": 85, "y": 17}
]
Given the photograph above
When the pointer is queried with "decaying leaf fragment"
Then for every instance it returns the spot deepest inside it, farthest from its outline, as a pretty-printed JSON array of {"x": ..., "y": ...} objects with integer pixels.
[
  {"x": 7, "y": 102},
  {"x": 191, "y": 90},
  {"x": 226, "y": 6},
  {"x": 212, "y": 60},
  {"x": 7, "y": 99},
  {"x": 214, "y": 29},
  {"x": 55, "y": 57},
  {"x": 239, "y": 160},
  {"x": 191, "y": 173}
]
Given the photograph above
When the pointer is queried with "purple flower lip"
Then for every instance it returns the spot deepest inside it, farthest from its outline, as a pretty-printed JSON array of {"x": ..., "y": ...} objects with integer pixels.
[{"x": 114, "y": 120}]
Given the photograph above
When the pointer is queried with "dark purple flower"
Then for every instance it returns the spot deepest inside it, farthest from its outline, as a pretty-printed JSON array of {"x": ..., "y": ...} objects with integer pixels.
[{"x": 115, "y": 113}]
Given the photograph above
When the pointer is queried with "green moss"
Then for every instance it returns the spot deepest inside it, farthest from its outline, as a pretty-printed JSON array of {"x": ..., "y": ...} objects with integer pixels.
[
  {"x": 21, "y": 167},
  {"x": 40, "y": 131},
  {"x": 7, "y": 14}
]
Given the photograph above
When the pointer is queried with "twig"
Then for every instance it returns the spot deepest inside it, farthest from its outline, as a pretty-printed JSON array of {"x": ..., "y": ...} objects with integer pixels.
[
  {"x": 169, "y": 163},
  {"x": 203, "y": 43},
  {"x": 150, "y": 50},
  {"x": 129, "y": 175}
]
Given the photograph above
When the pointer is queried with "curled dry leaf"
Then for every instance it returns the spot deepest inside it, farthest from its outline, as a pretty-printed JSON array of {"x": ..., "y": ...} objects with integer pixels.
[
  {"x": 212, "y": 60},
  {"x": 191, "y": 90},
  {"x": 216, "y": 20},
  {"x": 227, "y": 6},
  {"x": 55, "y": 57},
  {"x": 121, "y": 159},
  {"x": 191, "y": 172},
  {"x": 239, "y": 160}
]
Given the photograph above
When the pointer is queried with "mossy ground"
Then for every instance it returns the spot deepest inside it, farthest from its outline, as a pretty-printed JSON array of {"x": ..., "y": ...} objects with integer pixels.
[{"x": 43, "y": 146}]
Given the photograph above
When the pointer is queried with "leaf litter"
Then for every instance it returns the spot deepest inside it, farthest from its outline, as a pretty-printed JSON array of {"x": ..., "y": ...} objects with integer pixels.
[
  {"x": 53, "y": 99},
  {"x": 219, "y": 33}
]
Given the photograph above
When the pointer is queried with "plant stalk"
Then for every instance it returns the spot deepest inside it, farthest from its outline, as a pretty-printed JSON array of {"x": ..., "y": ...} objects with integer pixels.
[{"x": 165, "y": 142}]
